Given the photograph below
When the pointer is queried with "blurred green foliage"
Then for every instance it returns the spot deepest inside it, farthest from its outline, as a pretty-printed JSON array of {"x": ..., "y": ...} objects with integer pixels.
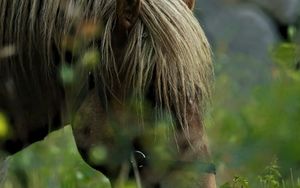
[
  {"x": 52, "y": 163},
  {"x": 3, "y": 126},
  {"x": 246, "y": 136}
]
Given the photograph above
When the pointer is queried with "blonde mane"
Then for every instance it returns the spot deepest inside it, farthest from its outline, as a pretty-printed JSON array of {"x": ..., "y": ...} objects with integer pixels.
[{"x": 167, "y": 46}]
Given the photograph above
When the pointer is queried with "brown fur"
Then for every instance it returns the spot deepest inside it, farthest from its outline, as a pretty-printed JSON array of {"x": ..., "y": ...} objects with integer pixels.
[{"x": 148, "y": 44}]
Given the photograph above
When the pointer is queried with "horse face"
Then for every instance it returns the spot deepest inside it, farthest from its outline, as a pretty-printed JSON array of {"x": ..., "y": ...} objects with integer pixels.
[
  {"x": 91, "y": 125},
  {"x": 91, "y": 122}
]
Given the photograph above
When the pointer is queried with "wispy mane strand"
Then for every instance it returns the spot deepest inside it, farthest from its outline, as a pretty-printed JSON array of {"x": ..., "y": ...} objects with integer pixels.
[{"x": 167, "y": 45}]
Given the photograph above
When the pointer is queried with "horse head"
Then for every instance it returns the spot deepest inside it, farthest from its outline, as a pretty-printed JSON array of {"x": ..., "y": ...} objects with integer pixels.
[{"x": 149, "y": 53}]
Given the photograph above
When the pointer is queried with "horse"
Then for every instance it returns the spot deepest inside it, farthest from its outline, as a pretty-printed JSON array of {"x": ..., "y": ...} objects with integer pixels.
[{"x": 150, "y": 53}]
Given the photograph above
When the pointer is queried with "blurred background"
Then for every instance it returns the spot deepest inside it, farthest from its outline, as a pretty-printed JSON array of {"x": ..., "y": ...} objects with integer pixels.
[{"x": 253, "y": 124}]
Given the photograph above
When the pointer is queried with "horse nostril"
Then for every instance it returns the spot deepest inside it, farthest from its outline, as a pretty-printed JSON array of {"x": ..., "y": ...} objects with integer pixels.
[{"x": 140, "y": 159}]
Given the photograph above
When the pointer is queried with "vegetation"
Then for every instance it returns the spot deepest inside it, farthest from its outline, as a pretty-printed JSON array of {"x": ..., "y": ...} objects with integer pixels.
[{"x": 247, "y": 134}]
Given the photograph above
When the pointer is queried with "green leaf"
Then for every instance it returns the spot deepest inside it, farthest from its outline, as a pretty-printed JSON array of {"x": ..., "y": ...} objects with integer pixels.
[
  {"x": 67, "y": 74},
  {"x": 91, "y": 58},
  {"x": 286, "y": 55},
  {"x": 4, "y": 126}
]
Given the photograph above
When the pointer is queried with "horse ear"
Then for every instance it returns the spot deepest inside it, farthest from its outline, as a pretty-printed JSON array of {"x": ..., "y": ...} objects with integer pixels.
[
  {"x": 190, "y": 3},
  {"x": 127, "y": 13}
]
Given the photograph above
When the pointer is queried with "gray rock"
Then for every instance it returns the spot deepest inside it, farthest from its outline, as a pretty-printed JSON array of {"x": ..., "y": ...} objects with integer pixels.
[
  {"x": 241, "y": 37},
  {"x": 286, "y": 11},
  {"x": 204, "y": 7},
  {"x": 242, "y": 30}
]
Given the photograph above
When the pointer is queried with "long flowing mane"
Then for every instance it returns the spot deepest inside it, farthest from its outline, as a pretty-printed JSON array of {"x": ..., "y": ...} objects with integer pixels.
[{"x": 166, "y": 46}]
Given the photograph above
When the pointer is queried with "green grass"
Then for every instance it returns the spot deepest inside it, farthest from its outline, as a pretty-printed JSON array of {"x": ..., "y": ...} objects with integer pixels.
[{"x": 52, "y": 163}]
